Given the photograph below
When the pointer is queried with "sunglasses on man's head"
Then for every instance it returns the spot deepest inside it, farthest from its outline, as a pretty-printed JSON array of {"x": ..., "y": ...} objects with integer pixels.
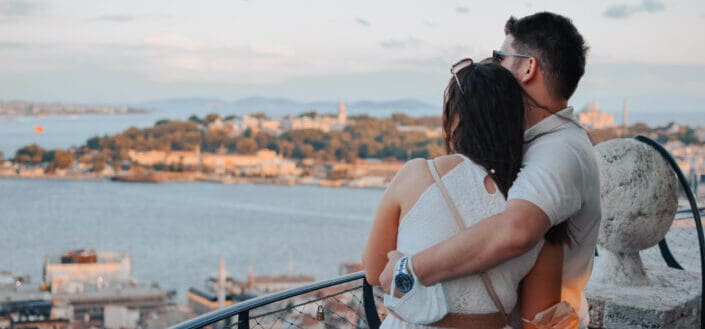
[
  {"x": 499, "y": 55},
  {"x": 457, "y": 67}
]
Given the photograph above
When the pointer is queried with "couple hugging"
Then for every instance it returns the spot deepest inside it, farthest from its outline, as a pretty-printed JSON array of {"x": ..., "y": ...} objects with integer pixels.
[{"x": 501, "y": 231}]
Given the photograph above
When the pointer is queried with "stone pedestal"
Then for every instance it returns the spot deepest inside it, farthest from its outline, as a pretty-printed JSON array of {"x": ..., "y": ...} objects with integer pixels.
[
  {"x": 671, "y": 300},
  {"x": 639, "y": 194}
]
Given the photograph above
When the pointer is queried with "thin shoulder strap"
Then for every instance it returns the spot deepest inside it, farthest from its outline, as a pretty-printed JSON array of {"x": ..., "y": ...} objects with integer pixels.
[
  {"x": 461, "y": 225},
  {"x": 456, "y": 214}
]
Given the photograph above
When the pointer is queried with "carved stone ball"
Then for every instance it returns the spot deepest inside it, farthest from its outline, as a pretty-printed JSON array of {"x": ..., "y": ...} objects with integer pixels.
[{"x": 639, "y": 192}]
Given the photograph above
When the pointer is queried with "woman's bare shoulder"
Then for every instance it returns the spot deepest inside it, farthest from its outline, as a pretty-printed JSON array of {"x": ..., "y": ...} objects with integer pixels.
[
  {"x": 410, "y": 170},
  {"x": 446, "y": 163}
]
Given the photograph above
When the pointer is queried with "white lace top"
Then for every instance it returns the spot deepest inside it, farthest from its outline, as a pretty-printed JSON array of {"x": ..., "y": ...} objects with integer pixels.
[{"x": 430, "y": 221}]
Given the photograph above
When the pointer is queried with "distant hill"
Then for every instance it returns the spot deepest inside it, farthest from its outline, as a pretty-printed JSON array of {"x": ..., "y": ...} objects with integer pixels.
[
  {"x": 278, "y": 107},
  {"x": 17, "y": 108}
]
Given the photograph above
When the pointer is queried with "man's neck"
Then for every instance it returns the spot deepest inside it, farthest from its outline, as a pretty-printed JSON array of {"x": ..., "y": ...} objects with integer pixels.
[{"x": 536, "y": 114}]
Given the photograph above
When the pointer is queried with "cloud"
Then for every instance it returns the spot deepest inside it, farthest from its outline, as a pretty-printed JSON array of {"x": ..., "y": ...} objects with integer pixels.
[
  {"x": 273, "y": 50},
  {"x": 13, "y": 45},
  {"x": 16, "y": 8},
  {"x": 116, "y": 18},
  {"x": 461, "y": 10},
  {"x": 173, "y": 41},
  {"x": 431, "y": 23},
  {"x": 362, "y": 21},
  {"x": 401, "y": 43},
  {"x": 627, "y": 10},
  {"x": 122, "y": 18}
]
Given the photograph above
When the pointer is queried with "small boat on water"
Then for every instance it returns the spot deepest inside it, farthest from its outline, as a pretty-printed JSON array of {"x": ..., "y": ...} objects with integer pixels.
[{"x": 136, "y": 178}]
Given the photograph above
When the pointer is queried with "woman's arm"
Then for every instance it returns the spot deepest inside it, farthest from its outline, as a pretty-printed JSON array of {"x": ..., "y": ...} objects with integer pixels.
[
  {"x": 541, "y": 288},
  {"x": 383, "y": 236}
]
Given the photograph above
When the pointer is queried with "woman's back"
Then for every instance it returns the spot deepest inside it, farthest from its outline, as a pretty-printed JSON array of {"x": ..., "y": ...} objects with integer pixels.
[{"x": 429, "y": 221}]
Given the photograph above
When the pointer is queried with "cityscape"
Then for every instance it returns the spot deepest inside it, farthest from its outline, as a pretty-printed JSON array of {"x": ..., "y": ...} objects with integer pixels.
[{"x": 307, "y": 148}]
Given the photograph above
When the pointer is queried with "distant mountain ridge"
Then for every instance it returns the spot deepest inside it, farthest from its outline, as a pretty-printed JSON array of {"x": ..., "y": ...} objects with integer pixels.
[{"x": 278, "y": 107}]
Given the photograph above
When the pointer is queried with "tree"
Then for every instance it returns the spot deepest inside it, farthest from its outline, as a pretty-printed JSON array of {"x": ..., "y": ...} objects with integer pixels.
[
  {"x": 60, "y": 159},
  {"x": 246, "y": 145},
  {"x": 402, "y": 119},
  {"x": 302, "y": 151},
  {"x": 32, "y": 154},
  {"x": 94, "y": 143},
  {"x": 259, "y": 115},
  {"x": 195, "y": 119},
  {"x": 210, "y": 118},
  {"x": 311, "y": 114}
]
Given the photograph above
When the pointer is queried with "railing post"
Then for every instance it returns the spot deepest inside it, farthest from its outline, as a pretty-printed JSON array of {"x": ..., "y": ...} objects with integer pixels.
[
  {"x": 667, "y": 255},
  {"x": 243, "y": 320},
  {"x": 368, "y": 301}
]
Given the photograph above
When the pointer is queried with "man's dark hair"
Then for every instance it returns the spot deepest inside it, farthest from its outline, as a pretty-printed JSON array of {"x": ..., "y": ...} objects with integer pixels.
[{"x": 558, "y": 46}]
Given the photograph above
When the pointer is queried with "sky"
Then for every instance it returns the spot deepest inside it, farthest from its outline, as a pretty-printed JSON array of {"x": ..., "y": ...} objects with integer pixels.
[{"x": 650, "y": 53}]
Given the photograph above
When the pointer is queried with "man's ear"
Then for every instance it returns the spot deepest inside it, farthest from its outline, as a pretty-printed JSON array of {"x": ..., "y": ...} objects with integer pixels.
[{"x": 531, "y": 69}]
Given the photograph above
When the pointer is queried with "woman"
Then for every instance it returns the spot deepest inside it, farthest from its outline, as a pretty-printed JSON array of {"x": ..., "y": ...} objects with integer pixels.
[{"x": 483, "y": 125}]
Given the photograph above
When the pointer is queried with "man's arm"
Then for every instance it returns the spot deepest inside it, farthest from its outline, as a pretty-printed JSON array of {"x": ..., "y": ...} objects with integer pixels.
[{"x": 479, "y": 247}]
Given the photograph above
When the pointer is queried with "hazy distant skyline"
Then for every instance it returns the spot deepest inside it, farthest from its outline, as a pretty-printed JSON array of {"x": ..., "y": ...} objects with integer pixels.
[{"x": 648, "y": 52}]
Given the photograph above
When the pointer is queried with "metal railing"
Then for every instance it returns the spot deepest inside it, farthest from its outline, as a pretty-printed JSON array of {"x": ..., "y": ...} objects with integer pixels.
[
  {"x": 344, "y": 302},
  {"x": 663, "y": 245}
]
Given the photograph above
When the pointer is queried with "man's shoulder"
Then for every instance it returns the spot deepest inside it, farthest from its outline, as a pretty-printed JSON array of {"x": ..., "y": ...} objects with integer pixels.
[{"x": 561, "y": 144}]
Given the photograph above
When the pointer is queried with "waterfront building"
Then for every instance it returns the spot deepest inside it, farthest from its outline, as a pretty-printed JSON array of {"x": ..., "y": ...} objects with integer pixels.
[
  {"x": 68, "y": 273},
  {"x": 320, "y": 122},
  {"x": 428, "y": 132},
  {"x": 7, "y": 168},
  {"x": 264, "y": 162},
  {"x": 592, "y": 118},
  {"x": 254, "y": 123},
  {"x": 94, "y": 287}
]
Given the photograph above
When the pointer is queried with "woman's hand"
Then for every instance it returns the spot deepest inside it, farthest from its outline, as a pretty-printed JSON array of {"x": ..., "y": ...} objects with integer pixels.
[{"x": 386, "y": 279}]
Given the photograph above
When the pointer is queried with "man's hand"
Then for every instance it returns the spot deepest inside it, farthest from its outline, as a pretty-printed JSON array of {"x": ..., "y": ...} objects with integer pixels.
[{"x": 386, "y": 279}]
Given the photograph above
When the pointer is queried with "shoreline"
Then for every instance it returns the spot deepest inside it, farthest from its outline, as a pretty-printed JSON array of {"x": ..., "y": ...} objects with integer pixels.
[{"x": 222, "y": 181}]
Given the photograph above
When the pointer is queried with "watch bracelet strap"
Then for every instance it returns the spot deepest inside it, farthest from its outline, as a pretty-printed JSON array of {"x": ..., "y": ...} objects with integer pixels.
[
  {"x": 394, "y": 281},
  {"x": 461, "y": 225}
]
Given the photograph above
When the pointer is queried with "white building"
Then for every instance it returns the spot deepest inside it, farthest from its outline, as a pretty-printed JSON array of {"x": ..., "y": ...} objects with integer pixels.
[{"x": 592, "y": 118}]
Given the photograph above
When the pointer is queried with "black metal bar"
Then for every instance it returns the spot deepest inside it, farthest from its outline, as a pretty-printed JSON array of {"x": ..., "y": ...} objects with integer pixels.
[
  {"x": 243, "y": 320},
  {"x": 689, "y": 210},
  {"x": 368, "y": 300},
  {"x": 696, "y": 214},
  {"x": 226, "y": 312},
  {"x": 668, "y": 256}
]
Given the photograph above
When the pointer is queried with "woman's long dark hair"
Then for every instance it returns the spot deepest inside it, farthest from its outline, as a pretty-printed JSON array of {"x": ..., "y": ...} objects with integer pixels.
[{"x": 485, "y": 122}]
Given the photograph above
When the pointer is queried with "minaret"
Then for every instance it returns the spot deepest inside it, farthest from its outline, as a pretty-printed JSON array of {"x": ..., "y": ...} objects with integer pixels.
[
  {"x": 625, "y": 114},
  {"x": 250, "y": 277},
  {"x": 625, "y": 118},
  {"x": 342, "y": 117},
  {"x": 221, "y": 283}
]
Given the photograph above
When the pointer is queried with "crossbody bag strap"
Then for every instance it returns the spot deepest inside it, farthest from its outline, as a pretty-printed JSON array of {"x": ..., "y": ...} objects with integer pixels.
[{"x": 461, "y": 225}]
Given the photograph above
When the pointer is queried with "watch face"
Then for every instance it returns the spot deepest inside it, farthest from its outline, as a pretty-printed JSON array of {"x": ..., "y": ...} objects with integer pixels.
[{"x": 404, "y": 282}]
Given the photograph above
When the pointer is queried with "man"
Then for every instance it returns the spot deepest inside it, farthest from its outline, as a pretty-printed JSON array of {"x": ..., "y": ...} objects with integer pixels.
[{"x": 559, "y": 180}]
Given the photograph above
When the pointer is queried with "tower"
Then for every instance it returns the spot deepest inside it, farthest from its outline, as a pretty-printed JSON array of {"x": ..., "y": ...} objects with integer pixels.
[
  {"x": 250, "y": 277},
  {"x": 221, "y": 283},
  {"x": 342, "y": 117},
  {"x": 625, "y": 118}
]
